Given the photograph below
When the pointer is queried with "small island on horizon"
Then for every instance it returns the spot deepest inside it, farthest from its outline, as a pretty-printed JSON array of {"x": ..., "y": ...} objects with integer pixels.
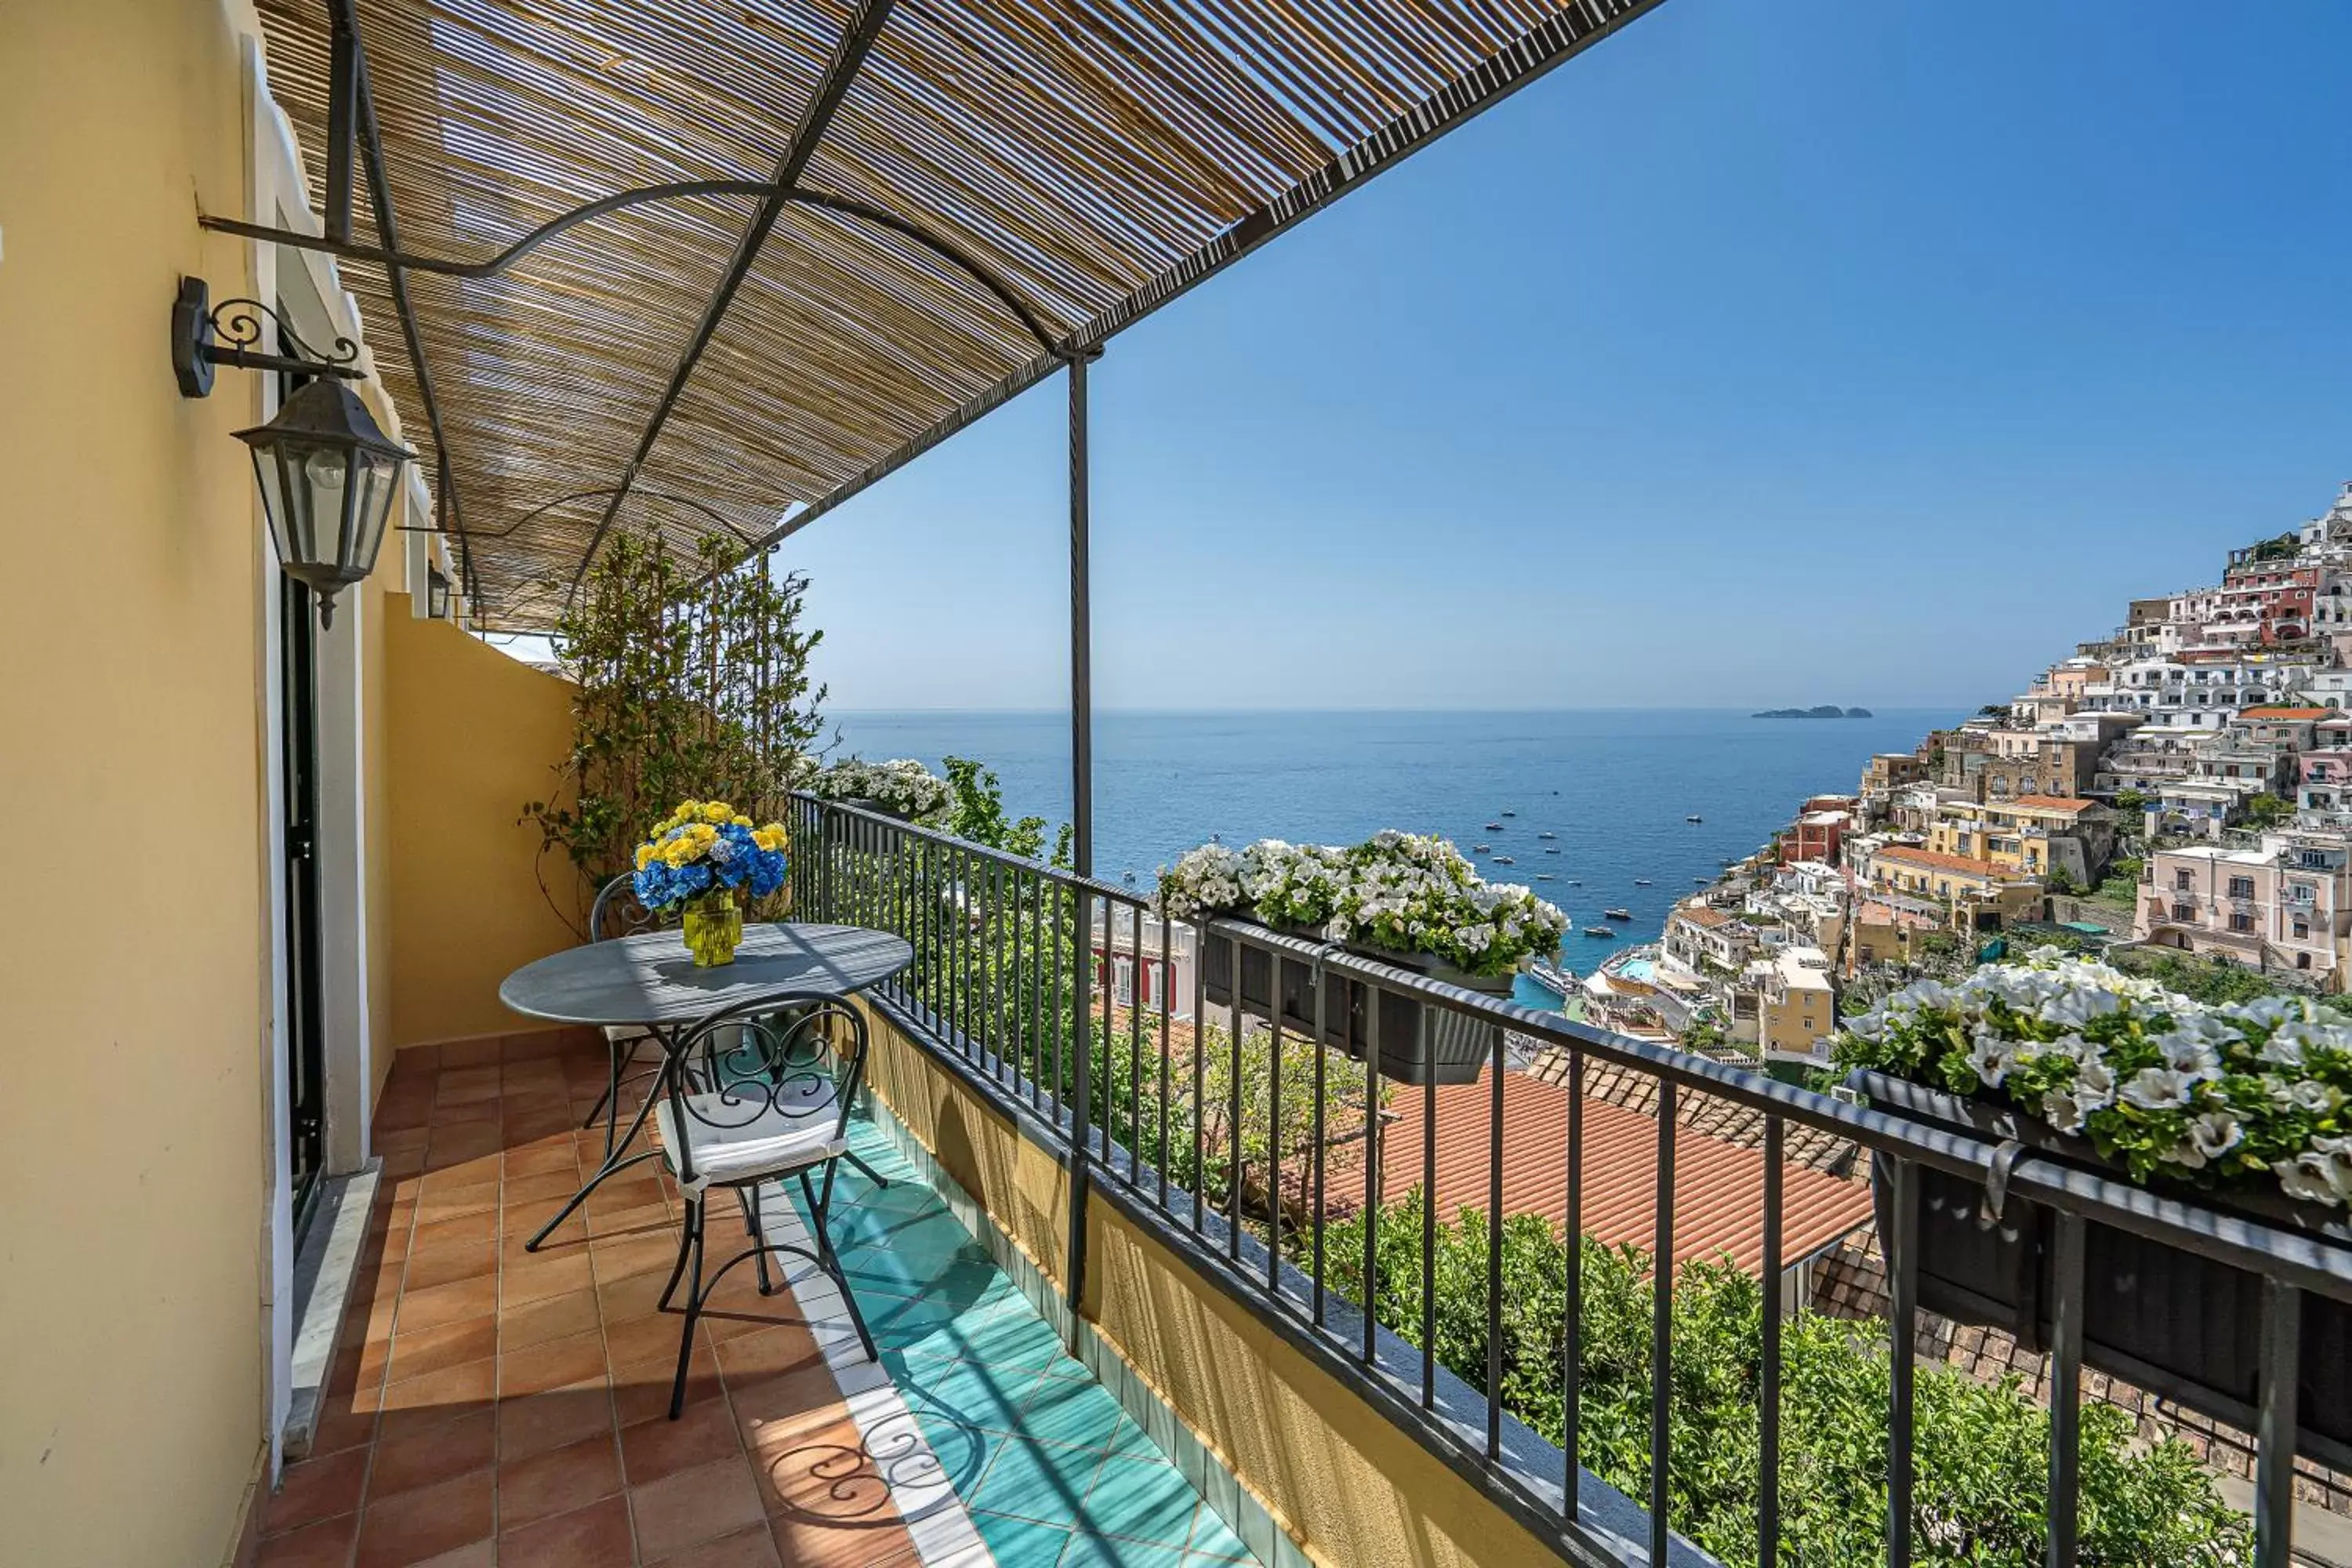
[{"x": 1826, "y": 710}]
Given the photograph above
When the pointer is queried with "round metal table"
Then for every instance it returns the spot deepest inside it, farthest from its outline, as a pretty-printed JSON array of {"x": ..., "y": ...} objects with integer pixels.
[{"x": 650, "y": 980}]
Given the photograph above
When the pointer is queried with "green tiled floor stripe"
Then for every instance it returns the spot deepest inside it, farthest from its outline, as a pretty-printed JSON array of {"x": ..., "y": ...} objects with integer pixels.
[{"x": 1055, "y": 1472}]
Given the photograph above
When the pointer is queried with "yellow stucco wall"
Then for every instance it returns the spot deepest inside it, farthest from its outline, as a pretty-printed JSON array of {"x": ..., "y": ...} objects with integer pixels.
[
  {"x": 469, "y": 736},
  {"x": 132, "y": 986},
  {"x": 1355, "y": 1491}
]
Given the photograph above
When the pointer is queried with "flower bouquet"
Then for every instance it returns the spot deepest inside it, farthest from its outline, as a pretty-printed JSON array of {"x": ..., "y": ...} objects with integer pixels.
[
  {"x": 701, "y": 858},
  {"x": 2238, "y": 1108}
]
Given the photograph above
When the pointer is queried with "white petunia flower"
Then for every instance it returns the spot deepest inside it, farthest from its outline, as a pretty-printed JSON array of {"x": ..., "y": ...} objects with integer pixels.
[{"x": 2158, "y": 1089}]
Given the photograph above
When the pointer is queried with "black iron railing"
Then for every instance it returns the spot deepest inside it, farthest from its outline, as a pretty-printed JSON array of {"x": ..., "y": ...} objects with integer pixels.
[{"x": 1236, "y": 1130}]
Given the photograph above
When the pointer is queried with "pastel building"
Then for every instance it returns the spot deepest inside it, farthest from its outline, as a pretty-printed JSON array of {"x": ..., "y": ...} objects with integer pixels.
[{"x": 2284, "y": 905}]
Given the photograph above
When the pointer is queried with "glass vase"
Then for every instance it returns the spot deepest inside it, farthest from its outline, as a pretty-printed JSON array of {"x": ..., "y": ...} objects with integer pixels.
[{"x": 714, "y": 929}]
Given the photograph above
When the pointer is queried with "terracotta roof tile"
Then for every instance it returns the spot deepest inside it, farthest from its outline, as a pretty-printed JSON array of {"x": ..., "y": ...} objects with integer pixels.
[
  {"x": 2283, "y": 712},
  {"x": 2053, "y": 803},
  {"x": 1718, "y": 1185},
  {"x": 1701, "y": 916},
  {"x": 1935, "y": 859}
]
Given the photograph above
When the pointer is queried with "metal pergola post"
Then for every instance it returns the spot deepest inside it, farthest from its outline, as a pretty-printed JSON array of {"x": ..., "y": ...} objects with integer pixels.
[{"x": 1082, "y": 826}]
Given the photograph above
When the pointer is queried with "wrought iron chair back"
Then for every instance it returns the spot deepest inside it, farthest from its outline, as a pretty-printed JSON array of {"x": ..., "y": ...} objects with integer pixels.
[
  {"x": 617, "y": 912},
  {"x": 799, "y": 1056}
]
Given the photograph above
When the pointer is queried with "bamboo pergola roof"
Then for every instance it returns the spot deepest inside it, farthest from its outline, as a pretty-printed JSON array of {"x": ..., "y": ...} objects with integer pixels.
[{"x": 922, "y": 207}]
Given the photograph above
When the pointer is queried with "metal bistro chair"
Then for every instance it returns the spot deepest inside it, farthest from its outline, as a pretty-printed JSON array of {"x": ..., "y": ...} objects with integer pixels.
[
  {"x": 617, "y": 913},
  {"x": 782, "y": 1075}
]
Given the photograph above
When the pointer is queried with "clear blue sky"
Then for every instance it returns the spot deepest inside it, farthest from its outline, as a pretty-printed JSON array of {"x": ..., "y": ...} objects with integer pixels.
[{"x": 1816, "y": 351}]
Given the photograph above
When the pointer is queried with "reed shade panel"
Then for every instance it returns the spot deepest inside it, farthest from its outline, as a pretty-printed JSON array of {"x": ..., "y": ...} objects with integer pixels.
[{"x": 1096, "y": 158}]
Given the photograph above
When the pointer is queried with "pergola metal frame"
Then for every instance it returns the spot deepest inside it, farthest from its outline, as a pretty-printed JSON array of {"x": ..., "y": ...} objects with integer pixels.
[{"x": 353, "y": 124}]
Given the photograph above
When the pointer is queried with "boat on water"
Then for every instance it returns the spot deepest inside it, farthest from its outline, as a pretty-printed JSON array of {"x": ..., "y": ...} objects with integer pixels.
[
  {"x": 1702, "y": 881},
  {"x": 1543, "y": 875},
  {"x": 1616, "y": 914},
  {"x": 1553, "y": 978},
  {"x": 1641, "y": 882},
  {"x": 1478, "y": 848},
  {"x": 1505, "y": 860},
  {"x": 1607, "y": 932},
  {"x": 1552, "y": 849},
  {"x": 1494, "y": 827},
  {"x": 1575, "y": 881},
  {"x": 1510, "y": 814},
  {"x": 1694, "y": 816},
  {"x": 1547, "y": 832}
]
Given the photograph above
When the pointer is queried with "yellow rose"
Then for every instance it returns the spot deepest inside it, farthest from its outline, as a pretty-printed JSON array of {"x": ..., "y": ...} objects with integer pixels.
[
  {"x": 645, "y": 856},
  {"x": 716, "y": 811},
  {"x": 738, "y": 820}
]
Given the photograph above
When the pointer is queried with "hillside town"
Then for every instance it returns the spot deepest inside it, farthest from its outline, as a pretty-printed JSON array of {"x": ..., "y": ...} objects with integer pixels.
[{"x": 2176, "y": 790}]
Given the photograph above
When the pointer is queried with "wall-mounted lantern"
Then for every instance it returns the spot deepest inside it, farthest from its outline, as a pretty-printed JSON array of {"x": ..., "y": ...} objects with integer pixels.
[
  {"x": 328, "y": 475},
  {"x": 436, "y": 594}
]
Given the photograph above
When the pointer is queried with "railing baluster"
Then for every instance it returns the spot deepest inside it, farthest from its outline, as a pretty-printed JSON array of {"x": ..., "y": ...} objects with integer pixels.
[
  {"x": 1767, "y": 1497},
  {"x": 1903, "y": 1337},
  {"x": 1234, "y": 1129},
  {"x": 1322, "y": 1080},
  {"x": 1164, "y": 996},
  {"x": 1199, "y": 1055},
  {"x": 2275, "y": 1423},
  {"x": 1494, "y": 1247},
  {"x": 1273, "y": 1160},
  {"x": 2065, "y": 1390},
  {"x": 1661, "y": 1331},
  {"x": 1371, "y": 1175},
  {"x": 1571, "y": 1372},
  {"x": 1060, "y": 966},
  {"x": 1134, "y": 1042},
  {"x": 1428, "y": 1212}
]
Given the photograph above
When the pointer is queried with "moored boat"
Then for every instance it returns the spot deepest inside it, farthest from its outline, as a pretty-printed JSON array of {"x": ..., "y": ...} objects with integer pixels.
[
  {"x": 1604, "y": 931},
  {"x": 1616, "y": 914}
]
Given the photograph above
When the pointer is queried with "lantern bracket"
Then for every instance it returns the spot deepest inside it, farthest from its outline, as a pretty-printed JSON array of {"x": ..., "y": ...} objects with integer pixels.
[{"x": 204, "y": 335}]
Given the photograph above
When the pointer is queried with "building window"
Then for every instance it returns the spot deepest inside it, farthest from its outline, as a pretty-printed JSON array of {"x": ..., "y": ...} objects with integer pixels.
[
  {"x": 2302, "y": 961},
  {"x": 2181, "y": 880},
  {"x": 2184, "y": 911},
  {"x": 2240, "y": 921},
  {"x": 1122, "y": 982},
  {"x": 2242, "y": 887},
  {"x": 2301, "y": 931}
]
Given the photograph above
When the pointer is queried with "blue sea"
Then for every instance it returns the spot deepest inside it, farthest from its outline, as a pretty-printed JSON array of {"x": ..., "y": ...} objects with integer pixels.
[{"x": 1614, "y": 785}]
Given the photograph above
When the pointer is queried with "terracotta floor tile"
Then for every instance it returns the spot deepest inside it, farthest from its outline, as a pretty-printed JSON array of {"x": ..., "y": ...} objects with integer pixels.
[
  {"x": 458, "y": 1201},
  {"x": 784, "y": 1408},
  {"x": 315, "y": 1490},
  {"x": 694, "y": 1506},
  {"x": 327, "y": 1544},
  {"x": 558, "y": 1363},
  {"x": 769, "y": 1353},
  {"x": 459, "y": 1054},
  {"x": 517, "y": 1223},
  {"x": 634, "y": 1341},
  {"x": 417, "y": 1526},
  {"x": 527, "y": 1324},
  {"x": 825, "y": 1474},
  {"x": 754, "y": 1547},
  {"x": 451, "y": 1261},
  {"x": 480, "y": 1227},
  {"x": 819, "y": 1543},
  {"x": 596, "y": 1536},
  {"x": 454, "y": 1302},
  {"x": 539, "y": 1187},
  {"x": 557, "y": 1481},
  {"x": 549, "y": 1273},
  {"x": 480, "y": 1554},
  {"x": 431, "y": 1454},
  {"x": 549, "y": 1156},
  {"x": 638, "y": 1296},
  {"x": 545, "y": 1421},
  {"x": 342, "y": 1425},
  {"x": 517, "y": 1126},
  {"x": 652, "y": 1449},
  {"x": 437, "y": 1397},
  {"x": 416, "y": 1352},
  {"x": 641, "y": 1393}
]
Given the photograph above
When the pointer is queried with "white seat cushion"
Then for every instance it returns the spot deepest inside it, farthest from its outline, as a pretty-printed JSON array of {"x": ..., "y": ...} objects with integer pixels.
[
  {"x": 622, "y": 1034},
  {"x": 739, "y": 1137}
]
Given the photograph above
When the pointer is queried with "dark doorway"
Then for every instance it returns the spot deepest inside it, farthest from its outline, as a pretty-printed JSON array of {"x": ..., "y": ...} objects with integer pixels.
[{"x": 298, "y": 713}]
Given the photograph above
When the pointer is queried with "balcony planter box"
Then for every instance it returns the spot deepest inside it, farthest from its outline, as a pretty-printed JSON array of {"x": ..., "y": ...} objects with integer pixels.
[
  {"x": 1458, "y": 1047},
  {"x": 846, "y": 830},
  {"x": 1257, "y": 979},
  {"x": 2168, "y": 1320}
]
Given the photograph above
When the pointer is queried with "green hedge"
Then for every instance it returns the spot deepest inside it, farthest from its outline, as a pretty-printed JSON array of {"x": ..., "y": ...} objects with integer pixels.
[{"x": 1982, "y": 1449}]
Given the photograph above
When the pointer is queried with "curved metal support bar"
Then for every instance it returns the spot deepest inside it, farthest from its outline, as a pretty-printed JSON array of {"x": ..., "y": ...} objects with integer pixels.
[
  {"x": 742, "y": 536},
  {"x": 883, "y": 218},
  {"x": 490, "y": 267}
]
